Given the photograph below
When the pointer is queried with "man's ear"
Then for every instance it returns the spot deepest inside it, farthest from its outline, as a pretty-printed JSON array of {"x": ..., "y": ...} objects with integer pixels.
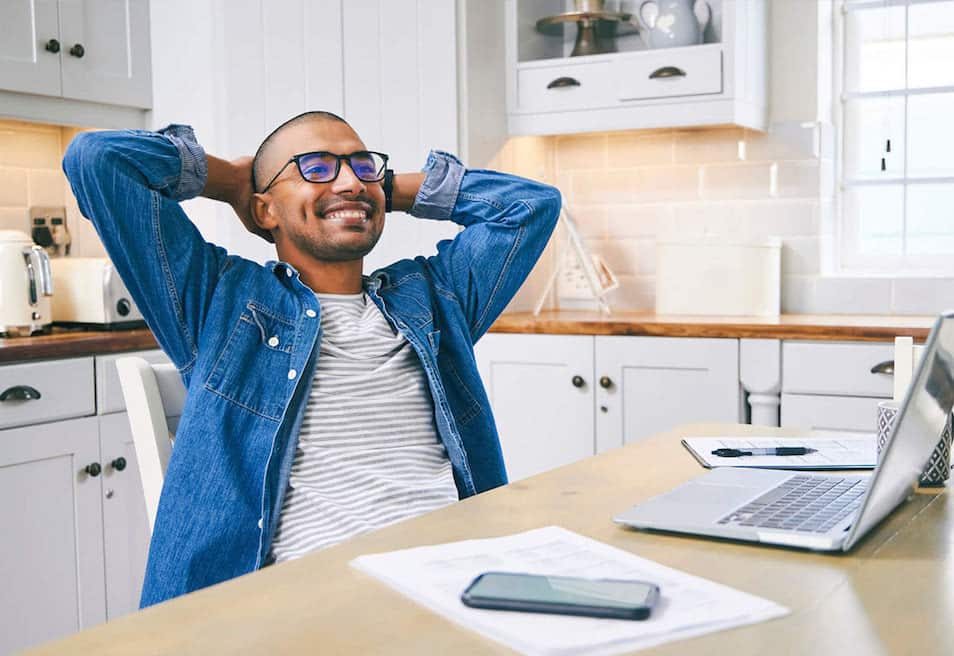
[{"x": 261, "y": 212}]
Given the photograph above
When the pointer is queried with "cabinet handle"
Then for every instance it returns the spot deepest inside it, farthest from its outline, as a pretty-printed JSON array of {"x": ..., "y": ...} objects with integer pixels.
[
  {"x": 667, "y": 71},
  {"x": 93, "y": 469},
  {"x": 52, "y": 46},
  {"x": 78, "y": 51},
  {"x": 119, "y": 463},
  {"x": 606, "y": 382},
  {"x": 886, "y": 367},
  {"x": 20, "y": 393},
  {"x": 578, "y": 381},
  {"x": 563, "y": 82}
]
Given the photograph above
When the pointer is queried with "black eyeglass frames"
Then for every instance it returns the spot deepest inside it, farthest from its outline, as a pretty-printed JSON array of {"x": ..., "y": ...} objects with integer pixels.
[{"x": 322, "y": 166}]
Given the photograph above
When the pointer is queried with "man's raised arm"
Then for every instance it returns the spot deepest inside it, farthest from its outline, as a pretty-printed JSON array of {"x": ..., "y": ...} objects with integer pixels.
[{"x": 129, "y": 184}]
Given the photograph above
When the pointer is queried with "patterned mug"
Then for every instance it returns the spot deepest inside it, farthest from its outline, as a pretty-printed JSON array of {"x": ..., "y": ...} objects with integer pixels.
[{"x": 938, "y": 467}]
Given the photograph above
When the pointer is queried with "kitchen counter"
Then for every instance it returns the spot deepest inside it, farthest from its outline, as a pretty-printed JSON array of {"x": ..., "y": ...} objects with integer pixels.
[
  {"x": 73, "y": 342},
  {"x": 66, "y": 343},
  {"x": 834, "y": 327}
]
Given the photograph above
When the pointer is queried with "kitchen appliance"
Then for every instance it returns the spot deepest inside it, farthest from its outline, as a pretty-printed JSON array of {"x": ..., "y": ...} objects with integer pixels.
[
  {"x": 90, "y": 293},
  {"x": 25, "y": 285},
  {"x": 49, "y": 230},
  {"x": 597, "y": 28}
]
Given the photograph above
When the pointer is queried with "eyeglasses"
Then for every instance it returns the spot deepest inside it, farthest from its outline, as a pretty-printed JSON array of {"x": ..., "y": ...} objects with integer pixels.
[{"x": 322, "y": 166}]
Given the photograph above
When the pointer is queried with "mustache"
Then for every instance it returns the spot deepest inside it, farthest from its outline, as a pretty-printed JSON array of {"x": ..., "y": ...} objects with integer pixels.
[{"x": 371, "y": 204}]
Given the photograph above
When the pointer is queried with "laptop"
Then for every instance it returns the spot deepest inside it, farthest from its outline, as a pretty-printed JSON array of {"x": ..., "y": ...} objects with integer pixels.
[{"x": 823, "y": 512}]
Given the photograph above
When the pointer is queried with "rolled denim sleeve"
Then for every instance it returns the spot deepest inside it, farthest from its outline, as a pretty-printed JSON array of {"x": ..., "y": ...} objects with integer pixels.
[
  {"x": 438, "y": 193},
  {"x": 508, "y": 221},
  {"x": 194, "y": 169}
]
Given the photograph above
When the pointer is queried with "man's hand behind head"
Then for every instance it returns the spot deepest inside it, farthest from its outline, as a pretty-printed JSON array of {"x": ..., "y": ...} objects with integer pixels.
[{"x": 242, "y": 200}]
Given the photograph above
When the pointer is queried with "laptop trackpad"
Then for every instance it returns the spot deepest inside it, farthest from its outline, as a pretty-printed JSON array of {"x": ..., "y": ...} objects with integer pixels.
[{"x": 706, "y": 499}]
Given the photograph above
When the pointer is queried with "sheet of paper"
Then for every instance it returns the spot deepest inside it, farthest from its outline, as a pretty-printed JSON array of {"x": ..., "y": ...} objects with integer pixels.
[
  {"x": 436, "y": 575},
  {"x": 857, "y": 451}
]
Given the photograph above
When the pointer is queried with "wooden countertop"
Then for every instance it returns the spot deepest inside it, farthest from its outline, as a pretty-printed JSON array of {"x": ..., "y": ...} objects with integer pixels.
[
  {"x": 71, "y": 342},
  {"x": 65, "y": 343},
  {"x": 890, "y": 595},
  {"x": 861, "y": 328}
]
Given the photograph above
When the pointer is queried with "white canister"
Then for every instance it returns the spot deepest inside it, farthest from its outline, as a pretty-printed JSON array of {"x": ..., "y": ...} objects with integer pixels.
[{"x": 718, "y": 277}]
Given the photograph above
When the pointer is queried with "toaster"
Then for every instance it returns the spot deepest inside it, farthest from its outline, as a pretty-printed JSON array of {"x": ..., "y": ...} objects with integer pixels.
[{"x": 88, "y": 292}]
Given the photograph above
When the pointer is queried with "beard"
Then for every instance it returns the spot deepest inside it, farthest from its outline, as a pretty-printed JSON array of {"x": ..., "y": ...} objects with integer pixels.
[{"x": 330, "y": 243}]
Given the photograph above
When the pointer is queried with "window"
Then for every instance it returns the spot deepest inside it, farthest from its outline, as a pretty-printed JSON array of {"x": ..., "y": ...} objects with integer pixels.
[{"x": 896, "y": 120}]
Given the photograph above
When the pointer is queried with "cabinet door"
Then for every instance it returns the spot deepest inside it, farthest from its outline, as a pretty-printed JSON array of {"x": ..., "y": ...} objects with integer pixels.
[
  {"x": 656, "y": 383},
  {"x": 400, "y": 94},
  {"x": 51, "y": 553},
  {"x": 847, "y": 414},
  {"x": 544, "y": 416},
  {"x": 106, "y": 51},
  {"x": 26, "y": 26},
  {"x": 125, "y": 523}
]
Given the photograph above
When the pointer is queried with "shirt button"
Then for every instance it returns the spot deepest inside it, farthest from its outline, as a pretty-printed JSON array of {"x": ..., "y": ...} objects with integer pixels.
[
  {"x": 273, "y": 340},
  {"x": 291, "y": 374},
  {"x": 311, "y": 313},
  {"x": 260, "y": 522},
  {"x": 288, "y": 273}
]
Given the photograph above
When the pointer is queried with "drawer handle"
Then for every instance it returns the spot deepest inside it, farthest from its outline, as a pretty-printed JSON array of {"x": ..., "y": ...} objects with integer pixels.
[
  {"x": 119, "y": 463},
  {"x": 52, "y": 46},
  {"x": 667, "y": 71},
  {"x": 578, "y": 381},
  {"x": 606, "y": 382},
  {"x": 19, "y": 393},
  {"x": 564, "y": 82},
  {"x": 94, "y": 469},
  {"x": 78, "y": 51},
  {"x": 886, "y": 367}
]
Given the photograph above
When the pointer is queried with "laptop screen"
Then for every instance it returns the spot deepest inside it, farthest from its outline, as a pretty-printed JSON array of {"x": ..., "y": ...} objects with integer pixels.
[{"x": 921, "y": 418}]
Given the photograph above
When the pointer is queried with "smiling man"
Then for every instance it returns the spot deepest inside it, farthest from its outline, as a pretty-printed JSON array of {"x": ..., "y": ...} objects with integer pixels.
[{"x": 321, "y": 403}]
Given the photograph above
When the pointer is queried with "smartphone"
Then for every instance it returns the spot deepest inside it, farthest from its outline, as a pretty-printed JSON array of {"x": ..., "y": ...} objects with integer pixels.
[{"x": 532, "y": 593}]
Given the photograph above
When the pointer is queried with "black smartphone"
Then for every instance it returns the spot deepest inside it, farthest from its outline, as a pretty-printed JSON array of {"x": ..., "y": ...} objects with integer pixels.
[{"x": 565, "y": 595}]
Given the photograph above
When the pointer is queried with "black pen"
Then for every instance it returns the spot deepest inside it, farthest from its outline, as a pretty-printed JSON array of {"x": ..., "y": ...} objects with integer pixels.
[{"x": 774, "y": 451}]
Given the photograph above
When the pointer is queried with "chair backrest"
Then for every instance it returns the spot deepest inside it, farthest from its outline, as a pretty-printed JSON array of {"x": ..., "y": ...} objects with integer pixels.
[{"x": 154, "y": 396}]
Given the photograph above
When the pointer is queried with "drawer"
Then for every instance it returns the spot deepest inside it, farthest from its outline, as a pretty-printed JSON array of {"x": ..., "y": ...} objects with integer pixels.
[
  {"x": 588, "y": 86},
  {"x": 668, "y": 73},
  {"x": 846, "y": 414},
  {"x": 108, "y": 390},
  {"x": 65, "y": 390},
  {"x": 835, "y": 368}
]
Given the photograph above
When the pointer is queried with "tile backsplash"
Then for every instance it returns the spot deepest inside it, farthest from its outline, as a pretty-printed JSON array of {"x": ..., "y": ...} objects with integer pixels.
[
  {"x": 628, "y": 189},
  {"x": 31, "y": 175}
]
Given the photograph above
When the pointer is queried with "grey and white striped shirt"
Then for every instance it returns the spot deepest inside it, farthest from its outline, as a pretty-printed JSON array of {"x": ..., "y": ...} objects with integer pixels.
[{"x": 368, "y": 451}]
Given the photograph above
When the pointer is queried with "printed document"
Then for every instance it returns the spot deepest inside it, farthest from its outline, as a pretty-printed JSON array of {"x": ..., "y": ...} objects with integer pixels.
[
  {"x": 838, "y": 451},
  {"x": 689, "y": 606}
]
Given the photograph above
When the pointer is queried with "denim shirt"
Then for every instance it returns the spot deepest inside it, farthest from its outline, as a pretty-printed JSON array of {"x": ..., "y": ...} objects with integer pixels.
[{"x": 217, "y": 316}]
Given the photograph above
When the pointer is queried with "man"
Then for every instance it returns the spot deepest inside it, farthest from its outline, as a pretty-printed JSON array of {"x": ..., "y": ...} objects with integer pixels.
[{"x": 321, "y": 403}]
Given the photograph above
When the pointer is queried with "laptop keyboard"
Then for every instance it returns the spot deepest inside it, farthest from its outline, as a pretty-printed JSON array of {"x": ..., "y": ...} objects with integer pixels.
[{"x": 812, "y": 504}]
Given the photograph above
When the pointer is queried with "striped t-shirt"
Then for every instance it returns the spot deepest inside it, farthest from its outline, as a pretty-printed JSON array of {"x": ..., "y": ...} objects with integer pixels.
[{"x": 368, "y": 451}]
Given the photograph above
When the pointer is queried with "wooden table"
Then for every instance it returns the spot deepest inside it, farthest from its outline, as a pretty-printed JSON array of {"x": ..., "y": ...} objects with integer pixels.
[{"x": 893, "y": 595}]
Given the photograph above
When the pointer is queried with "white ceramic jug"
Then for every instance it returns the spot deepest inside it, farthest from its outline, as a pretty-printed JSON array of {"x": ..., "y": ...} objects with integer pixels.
[{"x": 673, "y": 23}]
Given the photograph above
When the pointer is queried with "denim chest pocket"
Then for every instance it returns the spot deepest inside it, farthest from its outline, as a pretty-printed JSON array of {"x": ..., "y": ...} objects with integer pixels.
[{"x": 252, "y": 368}]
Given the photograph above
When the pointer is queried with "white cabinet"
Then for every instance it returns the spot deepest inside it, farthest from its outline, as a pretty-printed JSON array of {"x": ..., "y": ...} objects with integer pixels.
[
  {"x": 76, "y": 534},
  {"x": 721, "y": 81},
  {"x": 26, "y": 27},
  {"x": 88, "y": 50},
  {"x": 559, "y": 398},
  {"x": 51, "y": 553},
  {"x": 647, "y": 385},
  {"x": 541, "y": 392},
  {"x": 834, "y": 385}
]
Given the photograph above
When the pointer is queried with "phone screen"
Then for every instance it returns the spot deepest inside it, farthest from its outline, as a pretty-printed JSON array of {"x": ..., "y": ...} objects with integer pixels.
[{"x": 535, "y": 589}]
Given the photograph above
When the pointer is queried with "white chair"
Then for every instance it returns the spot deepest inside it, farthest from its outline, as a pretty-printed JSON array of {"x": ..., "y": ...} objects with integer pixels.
[{"x": 154, "y": 396}]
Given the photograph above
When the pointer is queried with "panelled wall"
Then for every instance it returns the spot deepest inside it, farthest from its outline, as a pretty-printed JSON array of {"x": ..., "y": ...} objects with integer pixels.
[{"x": 388, "y": 66}]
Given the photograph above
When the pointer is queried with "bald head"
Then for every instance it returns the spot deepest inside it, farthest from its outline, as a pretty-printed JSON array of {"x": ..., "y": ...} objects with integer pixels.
[{"x": 266, "y": 162}]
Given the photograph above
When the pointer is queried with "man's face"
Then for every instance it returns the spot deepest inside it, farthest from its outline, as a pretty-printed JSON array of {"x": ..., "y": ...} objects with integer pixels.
[{"x": 335, "y": 221}]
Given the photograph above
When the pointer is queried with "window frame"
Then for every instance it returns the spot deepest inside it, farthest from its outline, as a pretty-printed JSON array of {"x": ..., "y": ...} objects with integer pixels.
[{"x": 848, "y": 260}]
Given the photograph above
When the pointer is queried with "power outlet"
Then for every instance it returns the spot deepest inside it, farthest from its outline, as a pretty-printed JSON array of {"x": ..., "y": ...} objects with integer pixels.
[{"x": 572, "y": 284}]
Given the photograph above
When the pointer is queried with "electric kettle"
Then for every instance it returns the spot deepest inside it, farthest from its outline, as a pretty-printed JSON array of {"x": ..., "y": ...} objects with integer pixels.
[{"x": 26, "y": 285}]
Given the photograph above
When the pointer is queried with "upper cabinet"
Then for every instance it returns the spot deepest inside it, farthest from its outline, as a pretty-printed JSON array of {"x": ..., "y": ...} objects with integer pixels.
[
  {"x": 91, "y": 51},
  {"x": 569, "y": 76}
]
